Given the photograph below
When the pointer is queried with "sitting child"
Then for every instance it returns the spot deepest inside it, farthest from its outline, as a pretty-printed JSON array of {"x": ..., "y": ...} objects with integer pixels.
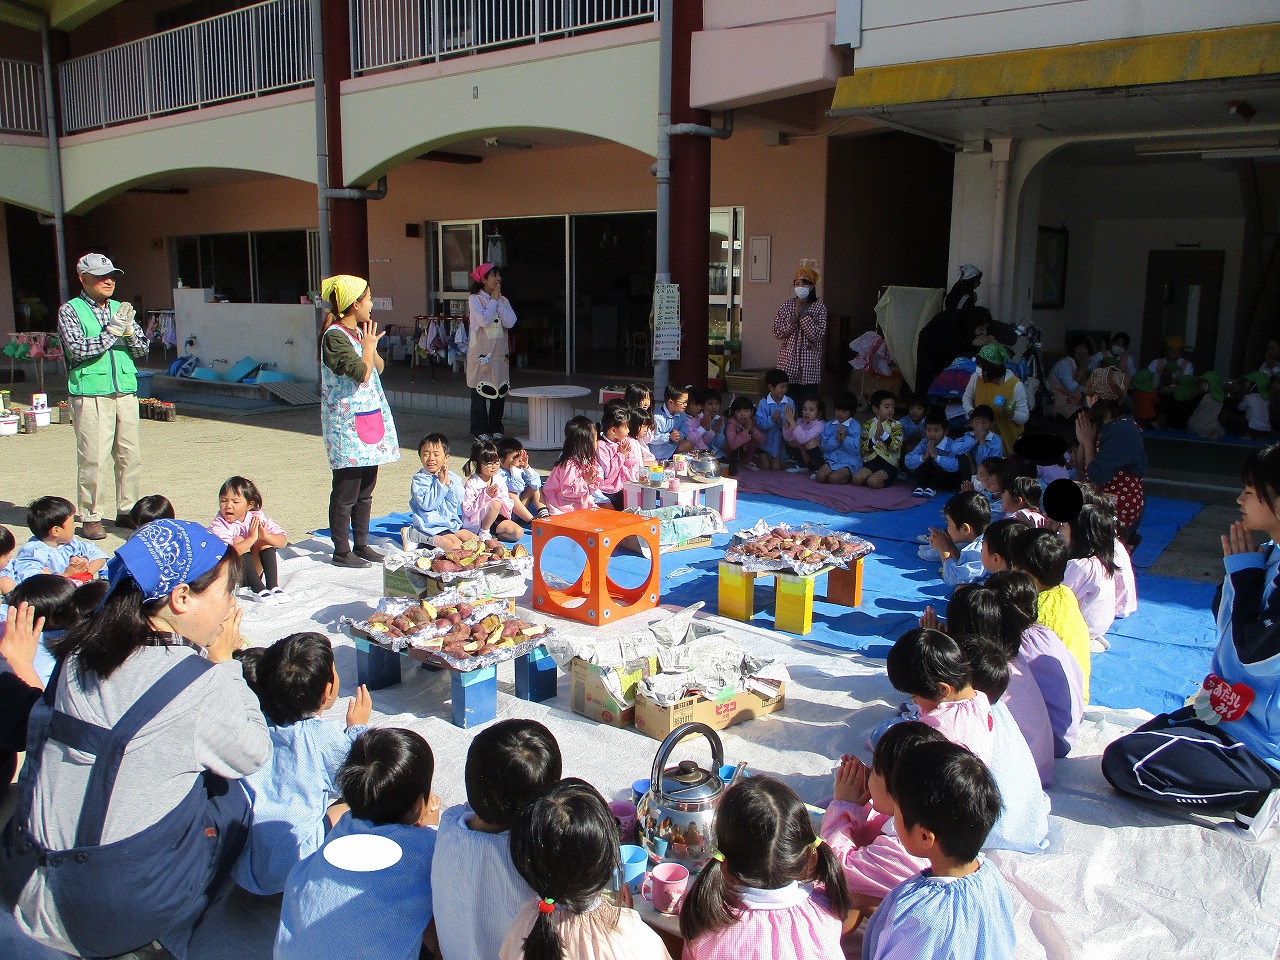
[
  {"x": 641, "y": 428},
  {"x": 1091, "y": 569},
  {"x": 617, "y": 455},
  {"x": 670, "y": 424},
  {"x": 771, "y": 418},
  {"x": 574, "y": 481},
  {"x": 881, "y": 444},
  {"x": 913, "y": 423},
  {"x": 772, "y": 889},
  {"x": 945, "y": 803},
  {"x": 296, "y": 683},
  {"x": 639, "y": 396},
  {"x": 488, "y": 508},
  {"x": 1021, "y": 498},
  {"x": 386, "y": 782},
  {"x": 63, "y": 604},
  {"x": 1042, "y": 554},
  {"x": 523, "y": 481},
  {"x": 981, "y": 442},
  {"x": 997, "y": 543},
  {"x": 959, "y": 546},
  {"x": 54, "y": 546},
  {"x": 154, "y": 506},
  {"x": 933, "y": 462},
  {"x": 565, "y": 846},
  {"x": 508, "y": 765},
  {"x": 858, "y": 823},
  {"x": 742, "y": 436},
  {"x": 804, "y": 436},
  {"x": 435, "y": 499},
  {"x": 712, "y": 422},
  {"x": 694, "y": 431},
  {"x": 1256, "y": 405},
  {"x": 254, "y": 536},
  {"x": 8, "y": 549},
  {"x": 841, "y": 442}
]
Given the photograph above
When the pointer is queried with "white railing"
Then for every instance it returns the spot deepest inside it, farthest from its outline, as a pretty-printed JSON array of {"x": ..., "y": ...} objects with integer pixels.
[
  {"x": 21, "y": 97},
  {"x": 245, "y": 53},
  {"x": 390, "y": 33}
]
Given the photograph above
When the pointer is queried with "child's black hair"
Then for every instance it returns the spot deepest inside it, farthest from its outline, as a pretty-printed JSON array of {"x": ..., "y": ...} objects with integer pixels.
[
  {"x": 433, "y": 440},
  {"x": 982, "y": 411},
  {"x": 775, "y": 377},
  {"x": 52, "y": 596},
  {"x": 387, "y": 774},
  {"x": 8, "y": 543},
  {"x": 976, "y": 609},
  {"x": 508, "y": 764},
  {"x": 250, "y": 659},
  {"x": 89, "y": 598},
  {"x": 947, "y": 790},
  {"x": 616, "y": 414},
  {"x": 695, "y": 396},
  {"x": 1041, "y": 553},
  {"x": 45, "y": 513},
  {"x": 914, "y": 401},
  {"x": 935, "y": 418},
  {"x": 879, "y": 397},
  {"x": 1000, "y": 468},
  {"x": 709, "y": 394},
  {"x": 987, "y": 663},
  {"x": 639, "y": 420},
  {"x": 244, "y": 487},
  {"x": 1121, "y": 338},
  {"x": 579, "y": 441},
  {"x": 565, "y": 846},
  {"x": 674, "y": 392},
  {"x": 766, "y": 838},
  {"x": 508, "y": 446},
  {"x": 1261, "y": 470},
  {"x": 635, "y": 393},
  {"x": 482, "y": 452},
  {"x": 992, "y": 372},
  {"x": 921, "y": 660},
  {"x": 1019, "y": 599},
  {"x": 1026, "y": 488},
  {"x": 294, "y": 673},
  {"x": 969, "y": 507},
  {"x": 156, "y": 506},
  {"x": 822, "y": 407},
  {"x": 897, "y": 740},
  {"x": 1000, "y": 533},
  {"x": 741, "y": 402},
  {"x": 1093, "y": 534},
  {"x": 845, "y": 400}
]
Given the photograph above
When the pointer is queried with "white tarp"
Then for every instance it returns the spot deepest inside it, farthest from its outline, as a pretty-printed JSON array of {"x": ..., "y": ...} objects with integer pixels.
[{"x": 901, "y": 312}]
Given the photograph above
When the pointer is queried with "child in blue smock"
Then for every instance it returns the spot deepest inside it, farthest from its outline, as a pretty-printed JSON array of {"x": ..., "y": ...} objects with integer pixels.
[
  {"x": 8, "y": 549},
  {"x": 913, "y": 423},
  {"x": 841, "y": 442},
  {"x": 63, "y": 604},
  {"x": 945, "y": 803},
  {"x": 54, "y": 546},
  {"x": 980, "y": 442},
  {"x": 670, "y": 424},
  {"x": 435, "y": 498},
  {"x": 959, "y": 546},
  {"x": 296, "y": 681},
  {"x": 332, "y": 898},
  {"x": 771, "y": 417},
  {"x": 508, "y": 765}
]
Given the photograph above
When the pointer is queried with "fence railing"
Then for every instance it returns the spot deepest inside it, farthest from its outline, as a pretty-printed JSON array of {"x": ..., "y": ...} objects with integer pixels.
[
  {"x": 21, "y": 97},
  {"x": 392, "y": 33},
  {"x": 245, "y": 53}
]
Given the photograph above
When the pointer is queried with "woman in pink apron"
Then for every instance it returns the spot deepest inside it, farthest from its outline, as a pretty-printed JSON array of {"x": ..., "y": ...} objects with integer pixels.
[{"x": 488, "y": 365}]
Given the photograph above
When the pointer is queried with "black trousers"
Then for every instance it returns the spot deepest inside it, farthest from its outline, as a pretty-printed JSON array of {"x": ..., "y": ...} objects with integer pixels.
[
  {"x": 486, "y": 414},
  {"x": 810, "y": 457},
  {"x": 350, "y": 504},
  {"x": 270, "y": 572},
  {"x": 929, "y": 474}
]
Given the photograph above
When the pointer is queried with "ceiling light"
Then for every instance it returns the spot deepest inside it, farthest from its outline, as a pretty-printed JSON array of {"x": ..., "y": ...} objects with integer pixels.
[{"x": 509, "y": 144}]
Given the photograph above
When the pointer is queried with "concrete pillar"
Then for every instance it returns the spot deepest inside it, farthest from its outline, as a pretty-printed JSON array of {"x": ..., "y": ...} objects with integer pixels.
[
  {"x": 348, "y": 219},
  {"x": 690, "y": 206},
  {"x": 8, "y": 322}
]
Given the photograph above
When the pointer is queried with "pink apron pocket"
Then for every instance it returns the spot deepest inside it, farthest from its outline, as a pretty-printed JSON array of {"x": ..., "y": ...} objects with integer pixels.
[{"x": 370, "y": 428}]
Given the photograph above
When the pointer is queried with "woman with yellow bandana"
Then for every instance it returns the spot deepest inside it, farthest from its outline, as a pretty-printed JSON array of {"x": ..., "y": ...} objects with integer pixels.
[{"x": 359, "y": 433}]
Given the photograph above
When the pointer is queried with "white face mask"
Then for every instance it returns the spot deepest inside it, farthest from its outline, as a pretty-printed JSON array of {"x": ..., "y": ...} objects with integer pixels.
[
  {"x": 1116, "y": 349},
  {"x": 802, "y": 293},
  {"x": 978, "y": 484}
]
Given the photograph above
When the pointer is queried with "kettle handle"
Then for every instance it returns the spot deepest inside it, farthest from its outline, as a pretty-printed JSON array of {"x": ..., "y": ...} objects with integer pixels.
[{"x": 669, "y": 744}]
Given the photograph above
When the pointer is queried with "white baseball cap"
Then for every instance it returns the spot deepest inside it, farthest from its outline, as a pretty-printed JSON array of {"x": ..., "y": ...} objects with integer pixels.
[{"x": 96, "y": 265}]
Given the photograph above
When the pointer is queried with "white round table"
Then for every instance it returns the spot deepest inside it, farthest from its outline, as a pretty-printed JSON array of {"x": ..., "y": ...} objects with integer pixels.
[{"x": 550, "y": 408}]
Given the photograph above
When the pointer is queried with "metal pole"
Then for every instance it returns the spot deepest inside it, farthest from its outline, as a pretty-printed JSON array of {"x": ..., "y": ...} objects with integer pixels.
[
  {"x": 666, "y": 17},
  {"x": 322, "y": 138},
  {"x": 55, "y": 158}
]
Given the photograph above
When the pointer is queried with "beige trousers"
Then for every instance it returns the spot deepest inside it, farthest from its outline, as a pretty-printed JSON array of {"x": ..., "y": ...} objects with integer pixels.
[{"x": 106, "y": 430}]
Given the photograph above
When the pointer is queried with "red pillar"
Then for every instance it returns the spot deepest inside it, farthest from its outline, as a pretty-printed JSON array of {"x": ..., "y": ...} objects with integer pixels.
[
  {"x": 690, "y": 204},
  {"x": 348, "y": 219}
]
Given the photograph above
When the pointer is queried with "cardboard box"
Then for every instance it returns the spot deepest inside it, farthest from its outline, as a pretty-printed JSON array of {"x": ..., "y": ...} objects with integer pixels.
[
  {"x": 591, "y": 698},
  {"x": 657, "y": 721},
  {"x": 402, "y": 582}
]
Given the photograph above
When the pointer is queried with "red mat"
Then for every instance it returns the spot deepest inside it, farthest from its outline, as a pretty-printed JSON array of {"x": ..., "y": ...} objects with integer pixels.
[{"x": 844, "y": 498}]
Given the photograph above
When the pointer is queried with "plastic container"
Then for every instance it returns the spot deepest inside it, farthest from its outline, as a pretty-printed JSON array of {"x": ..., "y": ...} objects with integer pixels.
[
  {"x": 8, "y": 426},
  {"x": 144, "y": 385}
]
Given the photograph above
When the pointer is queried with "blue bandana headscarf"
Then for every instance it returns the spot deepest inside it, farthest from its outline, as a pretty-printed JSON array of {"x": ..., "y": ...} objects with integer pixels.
[{"x": 163, "y": 554}]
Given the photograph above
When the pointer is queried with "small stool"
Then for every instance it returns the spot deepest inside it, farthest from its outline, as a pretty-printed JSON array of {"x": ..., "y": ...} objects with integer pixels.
[
  {"x": 475, "y": 696},
  {"x": 595, "y": 598},
  {"x": 376, "y": 666},
  {"x": 737, "y": 592},
  {"x": 536, "y": 676},
  {"x": 793, "y": 594}
]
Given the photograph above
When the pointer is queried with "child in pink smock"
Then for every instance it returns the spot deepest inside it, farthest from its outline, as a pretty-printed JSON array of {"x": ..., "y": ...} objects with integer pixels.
[
  {"x": 1091, "y": 569},
  {"x": 804, "y": 435},
  {"x": 858, "y": 824},
  {"x": 742, "y": 437},
  {"x": 773, "y": 888},
  {"x": 930, "y": 667},
  {"x": 487, "y": 503},
  {"x": 617, "y": 455},
  {"x": 254, "y": 536},
  {"x": 574, "y": 481},
  {"x": 1021, "y": 500},
  {"x": 641, "y": 431}
]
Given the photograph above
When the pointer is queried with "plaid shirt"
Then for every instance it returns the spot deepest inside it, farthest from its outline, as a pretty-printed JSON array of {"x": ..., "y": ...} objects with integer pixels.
[
  {"x": 802, "y": 341},
  {"x": 81, "y": 348}
]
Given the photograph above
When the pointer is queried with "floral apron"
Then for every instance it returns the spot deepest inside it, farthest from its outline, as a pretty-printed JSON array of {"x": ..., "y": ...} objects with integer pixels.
[{"x": 355, "y": 419}]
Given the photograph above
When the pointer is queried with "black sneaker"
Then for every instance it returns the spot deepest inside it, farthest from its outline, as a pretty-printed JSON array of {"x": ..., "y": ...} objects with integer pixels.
[
  {"x": 351, "y": 560},
  {"x": 372, "y": 554}
]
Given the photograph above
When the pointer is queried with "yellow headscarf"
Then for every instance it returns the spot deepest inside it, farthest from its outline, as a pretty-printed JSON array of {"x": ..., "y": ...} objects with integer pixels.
[
  {"x": 343, "y": 290},
  {"x": 809, "y": 274}
]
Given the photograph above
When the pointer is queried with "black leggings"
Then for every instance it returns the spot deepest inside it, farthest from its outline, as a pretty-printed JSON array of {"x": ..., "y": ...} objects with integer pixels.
[
  {"x": 810, "y": 457},
  {"x": 350, "y": 505},
  {"x": 486, "y": 413},
  {"x": 267, "y": 557}
]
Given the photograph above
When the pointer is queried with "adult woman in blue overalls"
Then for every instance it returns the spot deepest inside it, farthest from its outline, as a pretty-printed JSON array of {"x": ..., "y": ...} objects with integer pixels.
[{"x": 128, "y": 818}]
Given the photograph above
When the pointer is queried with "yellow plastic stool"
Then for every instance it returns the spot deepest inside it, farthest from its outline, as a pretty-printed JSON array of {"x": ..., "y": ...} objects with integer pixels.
[
  {"x": 793, "y": 603},
  {"x": 737, "y": 592}
]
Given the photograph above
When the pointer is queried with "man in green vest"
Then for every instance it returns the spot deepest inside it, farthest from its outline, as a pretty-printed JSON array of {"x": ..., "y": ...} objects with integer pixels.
[{"x": 101, "y": 338}]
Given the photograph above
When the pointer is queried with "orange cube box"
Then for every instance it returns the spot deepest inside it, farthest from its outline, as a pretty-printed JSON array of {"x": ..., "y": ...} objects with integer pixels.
[{"x": 595, "y": 598}]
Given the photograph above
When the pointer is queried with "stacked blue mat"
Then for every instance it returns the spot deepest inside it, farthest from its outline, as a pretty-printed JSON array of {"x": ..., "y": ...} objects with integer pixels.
[{"x": 1157, "y": 656}]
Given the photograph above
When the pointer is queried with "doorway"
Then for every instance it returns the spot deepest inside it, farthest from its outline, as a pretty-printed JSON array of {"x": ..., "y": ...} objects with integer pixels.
[
  {"x": 1183, "y": 298},
  {"x": 613, "y": 265},
  {"x": 534, "y": 277}
]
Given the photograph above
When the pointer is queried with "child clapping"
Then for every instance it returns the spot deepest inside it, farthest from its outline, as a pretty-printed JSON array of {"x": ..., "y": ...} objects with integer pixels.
[
  {"x": 297, "y": 682},
  {"x": 54, "y": 546},
  {"x": 959, "y": 546},
  {"x": 255, "y": 537}
]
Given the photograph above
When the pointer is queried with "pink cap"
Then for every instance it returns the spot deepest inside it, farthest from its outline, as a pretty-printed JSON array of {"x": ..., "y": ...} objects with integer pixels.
[{"x": 480, "y": 272}]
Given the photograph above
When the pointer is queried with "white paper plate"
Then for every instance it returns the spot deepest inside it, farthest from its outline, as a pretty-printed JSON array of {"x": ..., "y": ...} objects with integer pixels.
[{"x": 362, "y": 853}]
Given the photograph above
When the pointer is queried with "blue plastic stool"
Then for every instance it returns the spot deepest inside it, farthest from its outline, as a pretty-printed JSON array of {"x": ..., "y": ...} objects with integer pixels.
[
  {"x": 536, "y": 676},
  {"x": 376, "y": 666},
  {"x": 475, "y": 696}
]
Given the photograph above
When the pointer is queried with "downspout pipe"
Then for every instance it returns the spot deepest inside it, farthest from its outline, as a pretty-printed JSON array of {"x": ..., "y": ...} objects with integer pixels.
[
  {"x": 355, "y": 193},
  {"x": 322, "y": 139},
  {"x": 662, "y": 259},
  {"x": 698, "y": 130}
]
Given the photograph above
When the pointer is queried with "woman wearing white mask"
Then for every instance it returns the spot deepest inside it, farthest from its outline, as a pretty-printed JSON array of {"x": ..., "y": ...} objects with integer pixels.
[
  {"x": 801, "y": 325},
  {"x": 1116, "y": 355}
]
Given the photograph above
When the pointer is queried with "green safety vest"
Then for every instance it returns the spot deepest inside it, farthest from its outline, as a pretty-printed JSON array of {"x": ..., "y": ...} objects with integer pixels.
[{"x": 111, "y": 372}]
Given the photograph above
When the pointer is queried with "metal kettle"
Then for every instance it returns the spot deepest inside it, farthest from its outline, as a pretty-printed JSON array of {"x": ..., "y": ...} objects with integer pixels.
[{"x": 677, "y": 815}]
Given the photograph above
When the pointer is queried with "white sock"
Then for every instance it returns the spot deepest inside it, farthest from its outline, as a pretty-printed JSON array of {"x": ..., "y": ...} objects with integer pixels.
[{"x": 485, "y": 534}]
